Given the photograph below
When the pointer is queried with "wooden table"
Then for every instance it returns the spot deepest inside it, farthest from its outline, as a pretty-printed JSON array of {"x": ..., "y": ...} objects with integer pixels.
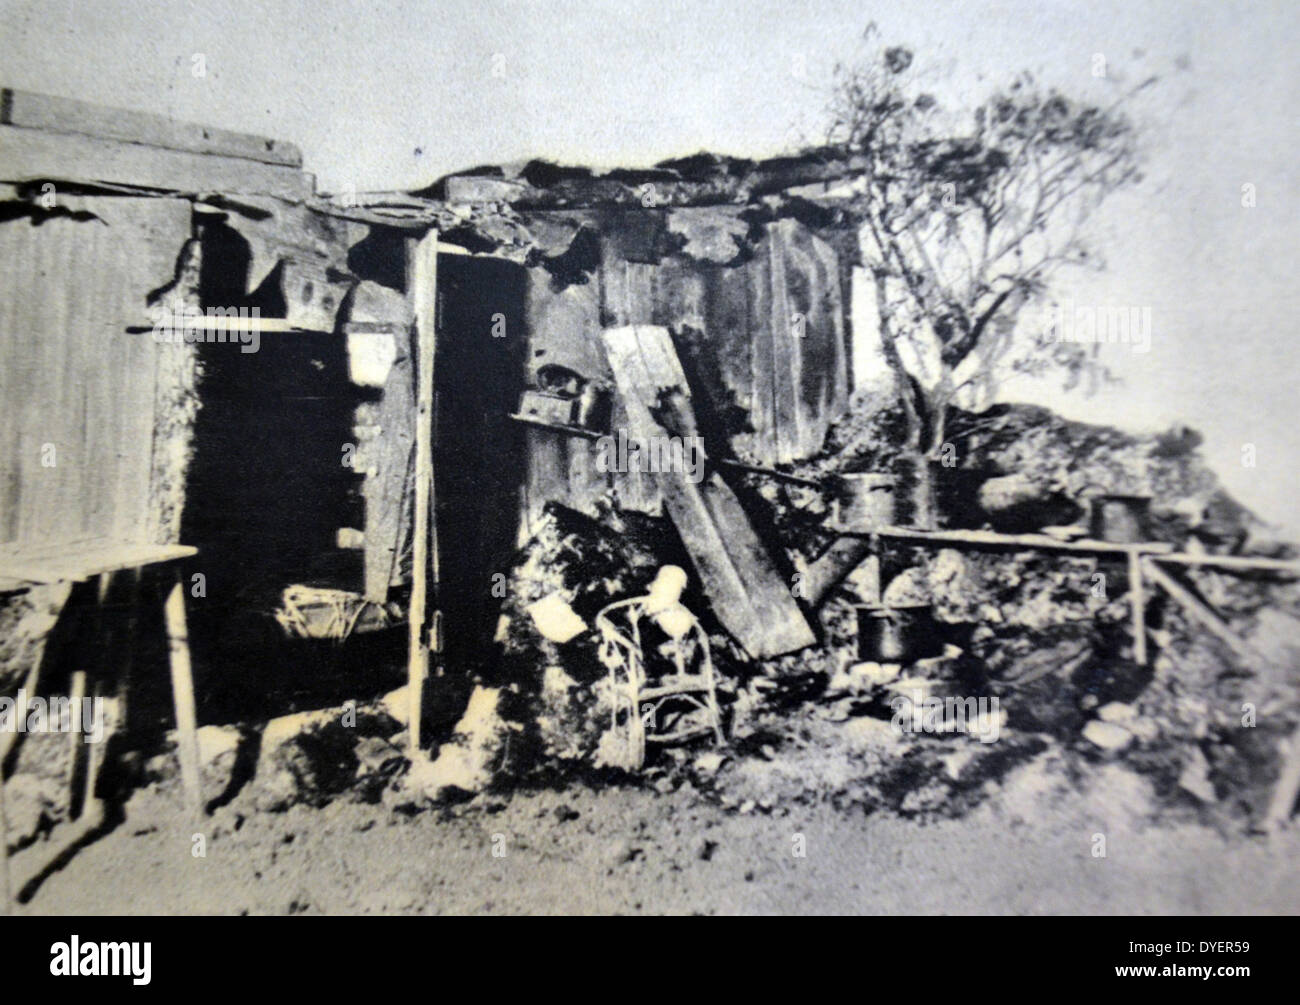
[
  {"x": 81, "y": 563},
  {"x": 1141, "y": 557}
]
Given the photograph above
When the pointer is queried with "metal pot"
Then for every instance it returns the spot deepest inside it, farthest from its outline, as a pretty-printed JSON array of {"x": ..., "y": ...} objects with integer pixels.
[
  {"x": 897, "y": 634},
  {"x": 1120, "y": 519}
]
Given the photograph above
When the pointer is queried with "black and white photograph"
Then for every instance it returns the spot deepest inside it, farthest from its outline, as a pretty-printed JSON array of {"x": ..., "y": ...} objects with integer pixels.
[{"x": 516, "y": 457}]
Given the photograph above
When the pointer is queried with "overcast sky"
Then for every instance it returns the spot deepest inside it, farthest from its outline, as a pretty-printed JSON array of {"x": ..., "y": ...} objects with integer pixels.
[{"x": 392, "y": 95}]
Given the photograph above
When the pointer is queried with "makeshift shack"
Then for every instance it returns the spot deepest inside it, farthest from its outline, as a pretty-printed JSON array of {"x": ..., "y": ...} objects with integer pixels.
[{"x": 200, "y": 352}]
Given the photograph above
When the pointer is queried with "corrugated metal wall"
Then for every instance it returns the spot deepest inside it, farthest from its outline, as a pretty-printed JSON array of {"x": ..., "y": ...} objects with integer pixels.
[{"x": 76, "y": 389}]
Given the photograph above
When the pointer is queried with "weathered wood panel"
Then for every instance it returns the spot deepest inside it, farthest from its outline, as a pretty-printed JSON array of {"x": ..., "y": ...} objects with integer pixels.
[{"x": 78, "y": 389}]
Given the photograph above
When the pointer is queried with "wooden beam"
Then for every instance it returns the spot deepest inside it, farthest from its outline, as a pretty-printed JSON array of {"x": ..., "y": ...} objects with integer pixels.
[
  {"x": 31, "y": 154},
  {"x": 424, "y": 547},
  {"x": 67, "y": 115},
  {"x": 992, "y": 539},
  {"x": 1202, "y": 613},
  {"x": 595, "y": 434},
  {"x": 1137, "y": 603},
  {"x": 1245, "y": 562},
  {"x": 555, "y": 427},
  {"x": 843, "y": 556}
]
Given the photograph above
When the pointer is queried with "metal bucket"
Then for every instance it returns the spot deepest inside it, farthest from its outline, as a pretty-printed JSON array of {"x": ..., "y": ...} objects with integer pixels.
[
  {"x": 1120, "y": 519},
  {"x": 865, "y": 500},
  {"x": 897, "y": 634}
]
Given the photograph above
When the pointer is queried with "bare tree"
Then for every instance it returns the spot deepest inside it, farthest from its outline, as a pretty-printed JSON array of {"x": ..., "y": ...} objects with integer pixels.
[{"x": 966, "y": 215}]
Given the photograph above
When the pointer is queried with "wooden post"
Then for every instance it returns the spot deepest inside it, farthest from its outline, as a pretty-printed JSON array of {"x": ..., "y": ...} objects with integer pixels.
[
  {"x": 1247, "y": 563},
  {"x": 425, "y": 288},
  {"x": 127, "y": 666},
  {"x": 76, "y": 692},
  {"x": 6, "y": 894},
  {"x": 183, "y": 694},
  {"x": 1138, "y": 602}
]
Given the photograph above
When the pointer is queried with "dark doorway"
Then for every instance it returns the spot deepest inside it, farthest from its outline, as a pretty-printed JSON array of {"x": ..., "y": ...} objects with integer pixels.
[{"x": 478, "y": 458}]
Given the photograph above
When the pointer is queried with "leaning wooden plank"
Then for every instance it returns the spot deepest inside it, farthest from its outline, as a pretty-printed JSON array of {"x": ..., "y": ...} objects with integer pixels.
[
  {"x": 425, "y": 284},
  {"x": 66, "y": 115},
  {"x": 843, "y": 556},
  {"x": 748, "y": 594},
  {"x": 1202, "y": 613},
  {"x": 644, "y": 357},
  {"x": 27, "y": 154}
]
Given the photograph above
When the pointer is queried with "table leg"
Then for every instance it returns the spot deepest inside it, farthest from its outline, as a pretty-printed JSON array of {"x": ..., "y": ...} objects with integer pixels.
[
  {"x": 1138, "y": 601},
  {"x": 6, "y": 894},
  {"x": 183, "y": 693}
]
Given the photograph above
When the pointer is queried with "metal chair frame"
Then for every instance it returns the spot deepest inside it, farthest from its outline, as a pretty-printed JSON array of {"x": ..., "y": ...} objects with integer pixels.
[{"x": 631, "y": 685}]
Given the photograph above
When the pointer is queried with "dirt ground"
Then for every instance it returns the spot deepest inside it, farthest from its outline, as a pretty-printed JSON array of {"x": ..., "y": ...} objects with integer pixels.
[{"x": 1030, "y": 849}]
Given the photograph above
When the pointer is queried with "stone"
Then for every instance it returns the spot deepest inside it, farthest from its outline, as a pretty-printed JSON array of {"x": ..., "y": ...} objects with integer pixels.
[
  {"x": 869, "y": 734},
  {"x": 1276, "y": 635},
  {"x": 909, "y": 588},
  {"x": 1107, "y": 735},
  {"x": 377, "y": 756},
  {"x": 555, "y": 619},
  {"x": 1195, "y": 777},
  {"x": 1117, "y": 711},
  {"x": 466, "y": 761},
  {"x": 396, "y": 703},
  {"x": 710, "y": 762},
  {"x": 215, "y": 741}
]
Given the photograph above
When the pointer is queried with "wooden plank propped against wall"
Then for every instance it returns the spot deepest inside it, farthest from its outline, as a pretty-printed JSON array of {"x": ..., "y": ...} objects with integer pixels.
[
  {"x": 67, "y": 115},
  {"x": 747, "y": 592}
]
